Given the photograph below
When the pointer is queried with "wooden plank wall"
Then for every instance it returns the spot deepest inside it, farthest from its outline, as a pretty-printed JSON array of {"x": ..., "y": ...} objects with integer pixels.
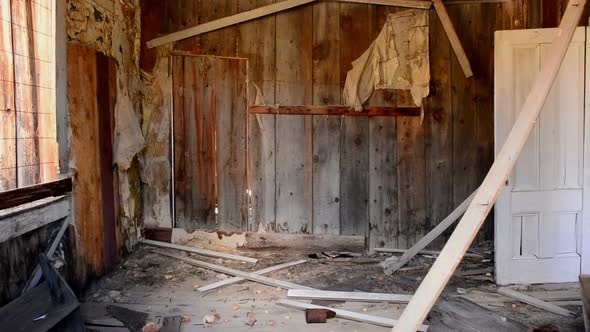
[
  {"x": 391, "y": 178},
  {"x": 28, "y": 146},
  {"x": 210, "y": 142}
]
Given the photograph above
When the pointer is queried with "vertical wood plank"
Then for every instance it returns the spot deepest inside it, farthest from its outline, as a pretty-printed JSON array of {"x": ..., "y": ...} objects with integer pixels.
[
  {"x": 179, "y": 125},
  {"x": 221, "y": 42},
  {"x": 30, "y": 76},
  {"x": 465, "y": 146},
  {"x": 438, "y": 131},
  {"x": 185, "y": 14},
  {"x": 105, "y": 149},
  {"x": 199, "y": 156},
  {"x": 383, "y": 181},
  {"x": 230, "y": 135},
  {"x": 82, "y": 103},
  {"x": 256, "y": 42},
  {"x": 483, "y": 65},
  {"x": 293, "y": 139},
  {"x": 326, "y": 129},
  {"x": 354, "y": 173},
  {"x": 8, "y": 168}
]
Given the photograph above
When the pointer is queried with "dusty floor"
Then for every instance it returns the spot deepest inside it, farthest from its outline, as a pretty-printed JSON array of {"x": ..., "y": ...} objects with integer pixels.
[{"x": 155, "y": 286}]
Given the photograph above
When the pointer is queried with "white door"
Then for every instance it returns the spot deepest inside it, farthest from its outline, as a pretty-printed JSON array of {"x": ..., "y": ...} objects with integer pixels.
[{"x": 538, "y": 227}]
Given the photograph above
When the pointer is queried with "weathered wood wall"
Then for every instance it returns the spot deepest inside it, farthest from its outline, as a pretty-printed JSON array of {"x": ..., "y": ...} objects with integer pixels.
[{"x": 392, "y": 178}]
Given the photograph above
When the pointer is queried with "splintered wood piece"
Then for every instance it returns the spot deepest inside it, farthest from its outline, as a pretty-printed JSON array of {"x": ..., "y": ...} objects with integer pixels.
[
  {"x": 487, "y": 194},
  {"x": 203, "y": 252}
]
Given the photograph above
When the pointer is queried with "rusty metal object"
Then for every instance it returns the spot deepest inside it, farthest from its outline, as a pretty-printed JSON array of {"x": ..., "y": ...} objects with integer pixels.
[{"x": 318, "y": 315}]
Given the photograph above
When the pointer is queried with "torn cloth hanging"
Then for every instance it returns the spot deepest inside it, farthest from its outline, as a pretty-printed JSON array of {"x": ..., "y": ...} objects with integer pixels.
[{"x": 397, "y": 59}]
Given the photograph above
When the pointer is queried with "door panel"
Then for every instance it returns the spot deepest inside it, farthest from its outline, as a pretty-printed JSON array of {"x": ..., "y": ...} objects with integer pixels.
[{"x": 538, "y": 214}]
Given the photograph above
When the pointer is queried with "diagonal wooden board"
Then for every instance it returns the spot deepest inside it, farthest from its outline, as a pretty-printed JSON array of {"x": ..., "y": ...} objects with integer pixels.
[
  {"x": 238, "y": 273},
  {"x": 534, "y": 301},
  {"x": 203, "y": 252},
  {"x": 445, "y": 20},
  {"x": 450, "y": 257},
  {"x": 226, "y": 21},
  {"x": 391, "y": 266}
]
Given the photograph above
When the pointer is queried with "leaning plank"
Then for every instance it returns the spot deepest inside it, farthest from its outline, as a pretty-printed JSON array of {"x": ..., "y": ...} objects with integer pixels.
[
  {"x": 334, "y": 110},
  {"x": 450, "y": 257},
  {"x": 25, "y": 221},
  {"x": 347, "y": 296},
  {"x": 203, "y": 252},
  {"x": 238, "y": 279},
  {"x": 246, "y": 275},
  {"x": 445, "y": 20},
  {"x": 381, "y": 321},
  {"x": 420, "y": 4},
  {"x": 534, "y": 301},
  {"x": 391, "y": 266},
  {"x": 37, "y": 273},
  {"x": 226, "y": 21}
]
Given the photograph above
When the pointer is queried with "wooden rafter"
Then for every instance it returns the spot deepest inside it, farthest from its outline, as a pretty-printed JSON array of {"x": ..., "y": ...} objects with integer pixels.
[
  {"x": 334, "y": 110},
  {"x": 226, "y": 21},
  {"x": 451, "y": 255}
]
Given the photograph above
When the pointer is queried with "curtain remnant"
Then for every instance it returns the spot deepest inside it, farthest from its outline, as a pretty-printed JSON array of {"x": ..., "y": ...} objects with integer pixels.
[{"x": 397, "y": 59}]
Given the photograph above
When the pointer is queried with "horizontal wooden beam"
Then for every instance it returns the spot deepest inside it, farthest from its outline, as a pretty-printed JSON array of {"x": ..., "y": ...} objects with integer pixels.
[
  {"x": 226, "y": 21},
  {"x": 419, "y": 4},
  {"x": 36, "y": 192},
  {"x": 364, "y": 318},
  {"x": 334, "y": 110},
  {"x": 198, "y": 251},
  {"x": 19, "y": 222}
]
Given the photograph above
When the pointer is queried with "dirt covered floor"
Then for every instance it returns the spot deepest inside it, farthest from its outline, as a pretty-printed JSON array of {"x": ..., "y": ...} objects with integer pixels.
[{"x": 148, "y": 287}]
